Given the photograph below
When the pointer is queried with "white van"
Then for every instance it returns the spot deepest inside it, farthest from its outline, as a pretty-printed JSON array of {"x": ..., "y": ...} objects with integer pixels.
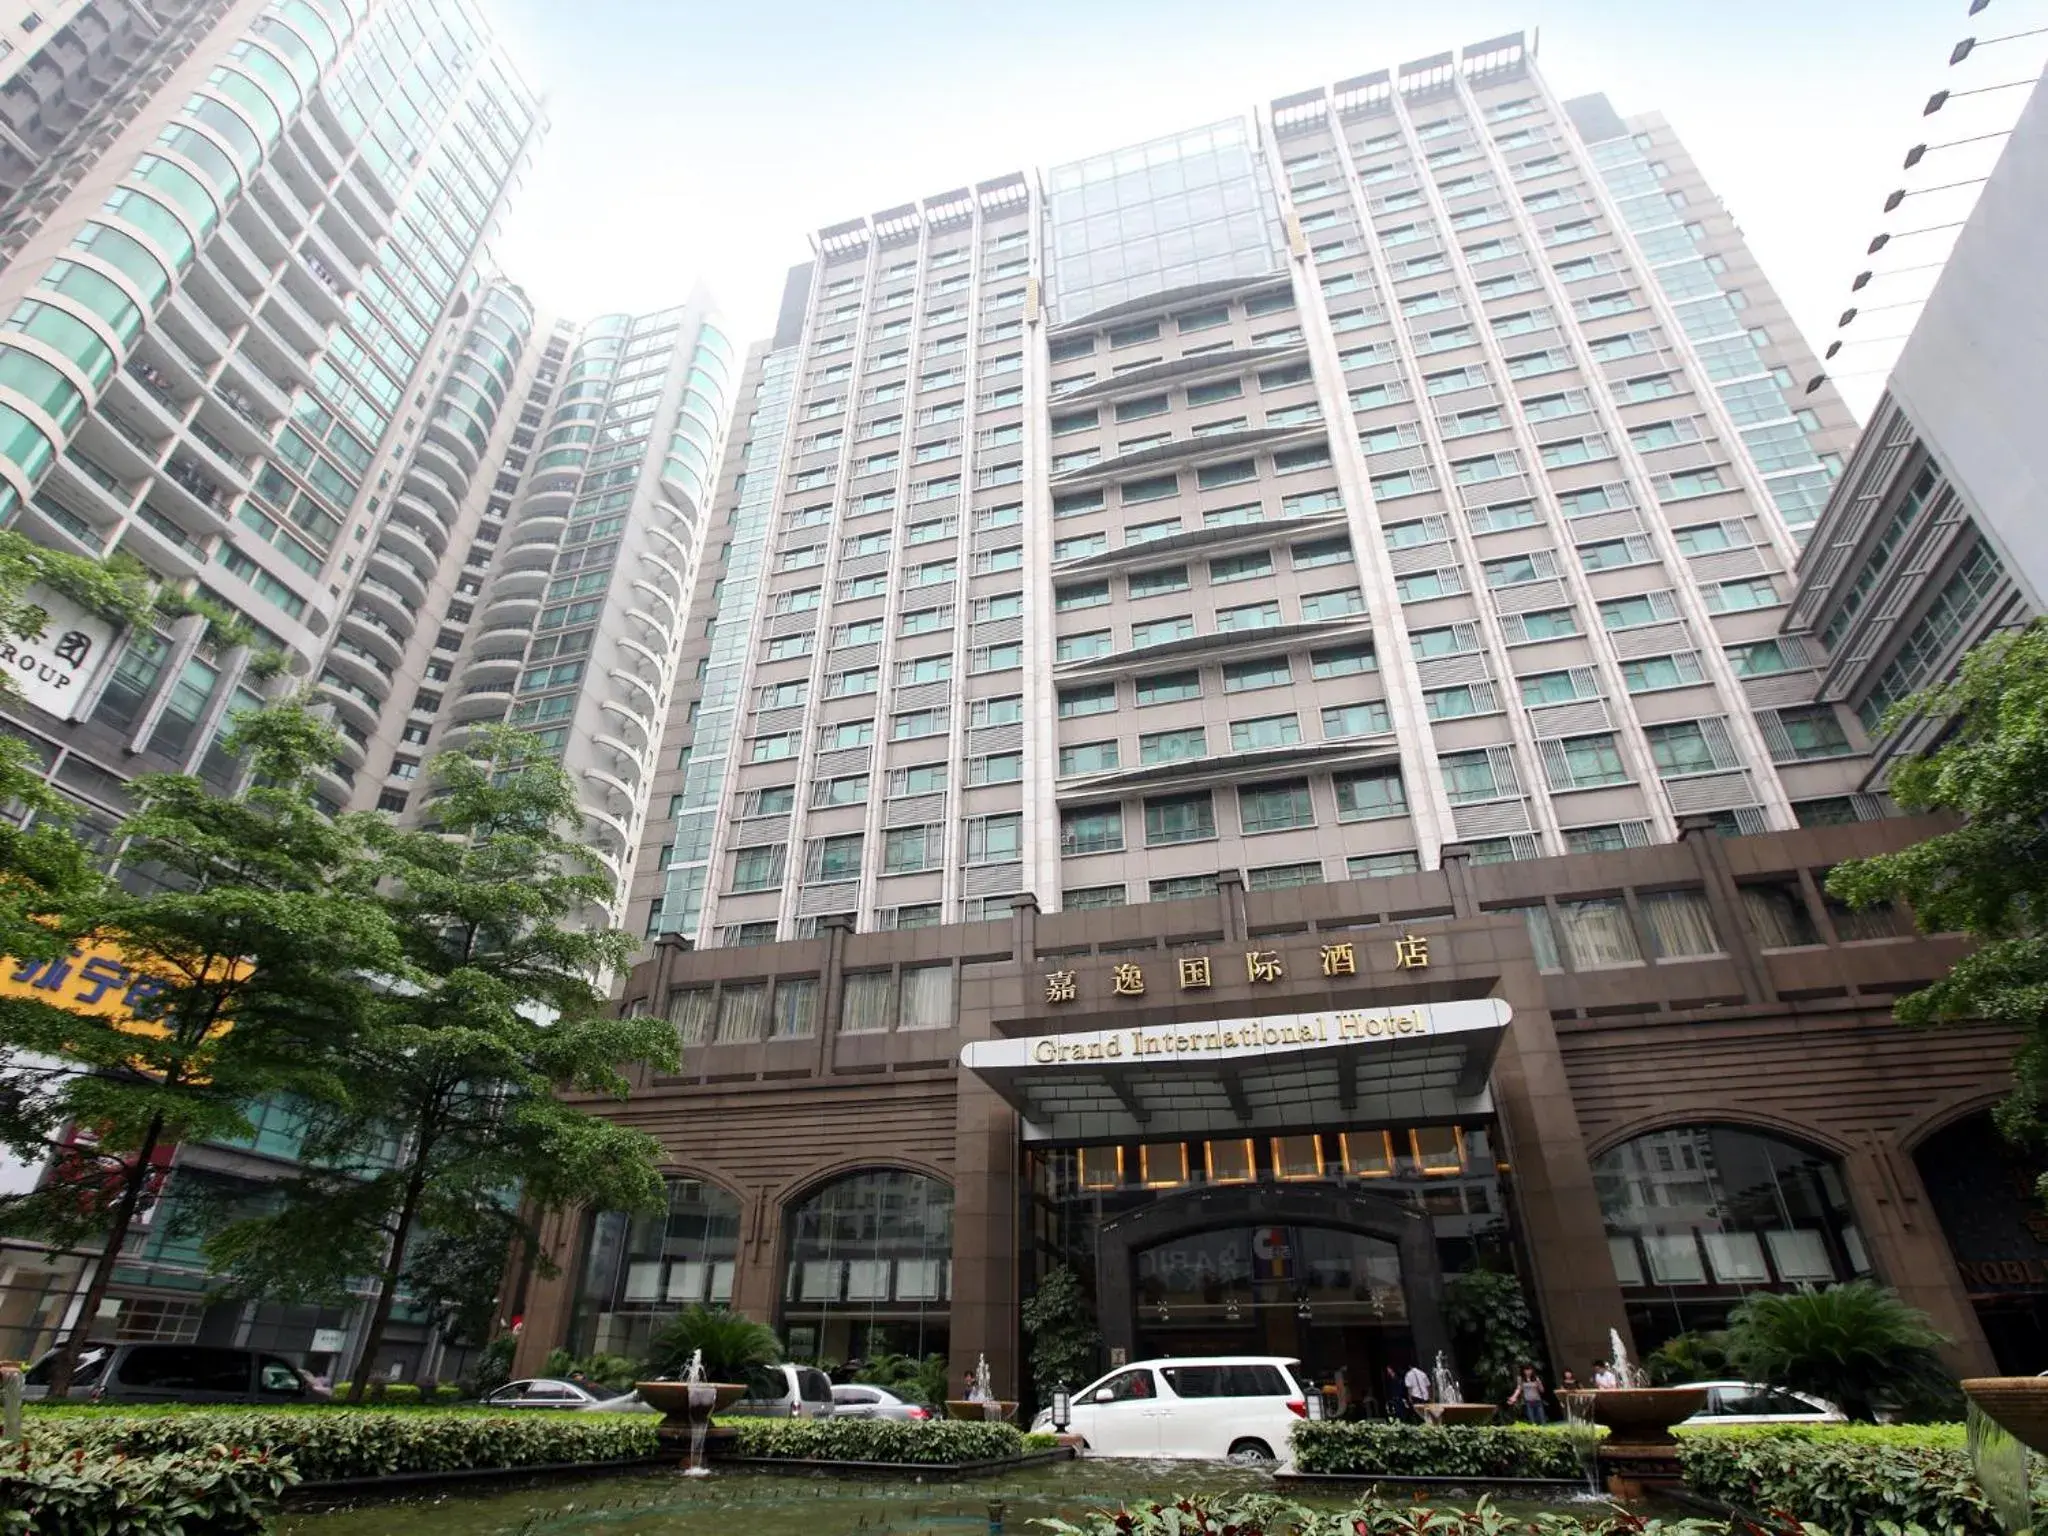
[{"x": 1239, "y": 1408}]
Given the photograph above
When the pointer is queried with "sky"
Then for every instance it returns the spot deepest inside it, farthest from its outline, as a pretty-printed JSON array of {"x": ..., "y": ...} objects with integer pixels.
[{"x": 692, "y": 141}]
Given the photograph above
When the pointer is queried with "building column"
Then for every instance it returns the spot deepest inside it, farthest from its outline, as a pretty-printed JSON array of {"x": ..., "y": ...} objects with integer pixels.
[
  {"x": 1910, "y": 1252},
  {"x": 758, "y": 1271},
  {"x": 986, "y": 1251},
  {"x": 549, "y": 1298}
]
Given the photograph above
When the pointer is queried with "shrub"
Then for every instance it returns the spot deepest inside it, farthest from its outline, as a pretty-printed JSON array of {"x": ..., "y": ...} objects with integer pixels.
[
  {"x": 733, "y": 1344},
  {"x": 1377, "y": 1446},
  {"x": 1857, "y": 1345},
  {"x": 615, "y": 1373},
  {"x": 1059, "y": 1320},
  {"x": 1488, "y": 1315},
  {"x": 213, "y": 1490},
  {"x": 944, "y": 1443},
  {"x": 1264, "y": 1514},
  {"x": 334, "y": 1444},
  {"x": 1870, "y": 1479},
  {"x": 1688, "y": 1357}
]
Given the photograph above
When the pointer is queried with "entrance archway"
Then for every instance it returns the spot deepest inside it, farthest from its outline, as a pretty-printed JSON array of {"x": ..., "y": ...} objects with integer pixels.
[{"x": 1290, "y": 1230}]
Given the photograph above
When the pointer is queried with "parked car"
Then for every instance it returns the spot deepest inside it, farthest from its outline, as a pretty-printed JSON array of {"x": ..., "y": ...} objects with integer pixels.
[
  {"x": 786, "y": 1392},
  {"x": 1240, "y": 1408},
  {"x": 855, "y": 1401},
  {"x": 178, "y": 1373},
  {"x": 1744, "y": 1402},
  {"x": 545, "y": 1392}
]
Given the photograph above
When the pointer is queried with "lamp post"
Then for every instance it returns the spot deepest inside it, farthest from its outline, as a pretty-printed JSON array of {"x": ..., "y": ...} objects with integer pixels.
[{"x": 1062, "y": 1409}]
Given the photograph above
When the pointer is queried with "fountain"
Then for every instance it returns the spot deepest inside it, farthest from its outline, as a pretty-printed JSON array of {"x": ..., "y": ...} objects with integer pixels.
[
  {"x": 1449, "y": 1405},
  {"x": 981, "y": 1401},
  {"x": 686, "y": 1407},
  {"x": 1639, "y": 1449},
  {"x": 2008, "y": 1416}
]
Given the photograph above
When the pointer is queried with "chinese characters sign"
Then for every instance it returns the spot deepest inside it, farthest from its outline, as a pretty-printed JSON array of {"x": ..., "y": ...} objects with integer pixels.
[
  {"x": 53, "y": 670},
  {"x": 1194, "y": 973},
  {"x": 94, "y": 978}
]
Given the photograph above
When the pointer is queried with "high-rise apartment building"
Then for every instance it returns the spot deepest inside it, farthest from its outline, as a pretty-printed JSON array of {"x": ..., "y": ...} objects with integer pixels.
[
  {"x": 1934, "y": 538},
  {"x": 1414, "y": 461}
]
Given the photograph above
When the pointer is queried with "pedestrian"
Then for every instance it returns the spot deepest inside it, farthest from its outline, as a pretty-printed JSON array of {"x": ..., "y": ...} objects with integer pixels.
[
  {"x": 1390, "y": 1393},
  {"x": 1568, "y": 1382},
  {"x": 1528, "y": 1396},
  {"x": 1415, "y": 1387},
  {"x": 1604, "y": 1378}
]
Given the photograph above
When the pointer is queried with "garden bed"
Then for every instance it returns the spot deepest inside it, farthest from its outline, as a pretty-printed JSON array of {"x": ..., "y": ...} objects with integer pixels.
[
  {"x": 890, "y": 1444},
  {"x": 1427, "y": 1454}
]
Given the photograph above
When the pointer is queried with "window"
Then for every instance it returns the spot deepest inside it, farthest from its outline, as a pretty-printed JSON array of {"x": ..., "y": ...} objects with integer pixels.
[
  {"x": 1087, "y": 594},
  {"x": 1372, "y": 795},
  {"x": 1598, "y": 933},
  {"x": 1006, "y": 709},
  {"x": 1342, "y": 661},
  {"x": 995, "y": 839},
  {"x": 770, "y": 749},
  {"x": 924, "y": 669},
  {"x": 1210, "y": 477},
  {"x": 1138, "y": 410},
  {"x": 1095, "y": 642},
  {"x": 1653, "y": 672},
  {"x": 1172, "y": 578},
  {"x": 1230, "y": 568},
  {"x": 1092, "y": 829},
  {"x": 1813, "y": 732},
  {"x": 1470, "y": 777},
  {"x": 1585, "y": 762},
  {"x": 1464, "y": 699},
  {"x": 923, "y": 722},
  {"x": 1338, "y": 604},
  {"x": 1087, "y": 757},
  {"x": 1210, "y": 394},
  {"x": 758, "y": 869},
  {"x": 1093, "y": 699},
  {"x": 1092, "y": 898},
  {"x": 1264, "y": 733},
  {"x": 834, "y": 859},
  {"x": 1734, "y": 596},
  {"x": 849, "y": 733},
  {"x": 1179, "y": 819},
  {"x": 1275, "y": 807},
  {"x": 1162, "y": 631},
  {"x": 851, "y": 790},
  {"x": 1169, "y": 687},
  {"x": 1172, "y": 746},
  {"x": 1153, "y": 488},
  {"x": 1680, "y": 924},
  {"x": 1246, "y": 676},
  {"x": 1681, "y": 747},
  {"x": 1248, "y": 617},
  {"x": 1368, "y": 719}
]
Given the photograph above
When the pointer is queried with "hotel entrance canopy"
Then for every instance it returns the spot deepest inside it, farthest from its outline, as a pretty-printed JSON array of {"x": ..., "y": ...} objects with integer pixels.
[{"x": 1423, "y": 1061}]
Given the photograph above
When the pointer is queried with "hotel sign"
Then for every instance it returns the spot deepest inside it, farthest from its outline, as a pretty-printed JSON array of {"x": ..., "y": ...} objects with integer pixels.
[{"x": 1238, "y": 1039}]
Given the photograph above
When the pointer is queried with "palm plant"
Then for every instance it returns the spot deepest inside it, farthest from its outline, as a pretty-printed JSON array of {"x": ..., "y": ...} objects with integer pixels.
[
  {"x": 732, "y": 1344},
  {"x": 1858, "y": 1345}
]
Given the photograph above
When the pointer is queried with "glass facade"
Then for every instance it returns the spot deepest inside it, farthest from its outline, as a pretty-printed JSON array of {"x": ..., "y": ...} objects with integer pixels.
[
  {"x": 868, "y": 1267},
  {"x": 639, "y": 1271}
]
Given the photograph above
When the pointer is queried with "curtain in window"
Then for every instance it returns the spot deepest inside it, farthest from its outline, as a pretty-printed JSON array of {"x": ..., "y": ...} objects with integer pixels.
[
  {"x": 928, "y": 997},
  {"x": 1681, "y": 923},
  {"x": 796, "y": 1008},
  {"x": 741, "y": 1012},
  {"x": 1542, "y": 937},
  {"x": 1879, "y": 922},
  {"x": 868, "y": 1004},
  {"x": 1778, "y": 916},
  {"x": 1598, "y": 933},
  {"x": 690, "y": 1012}
]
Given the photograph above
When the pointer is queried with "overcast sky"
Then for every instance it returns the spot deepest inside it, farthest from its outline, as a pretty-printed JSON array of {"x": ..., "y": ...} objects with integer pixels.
[{"x": 695, "y": 141}]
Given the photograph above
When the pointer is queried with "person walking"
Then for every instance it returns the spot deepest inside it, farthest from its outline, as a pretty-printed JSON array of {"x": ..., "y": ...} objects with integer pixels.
[
  {"x": 1415, "y": 1388},
  {"x": 1604, "y": 1377},
  {"x": 1527, "y": 1396}
]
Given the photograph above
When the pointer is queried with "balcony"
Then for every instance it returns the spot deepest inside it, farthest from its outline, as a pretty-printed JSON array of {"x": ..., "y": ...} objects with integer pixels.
[
  {"x": 400, "y": 574},
  {"x": 184, "y": 472},
  {"x": 91, "y": 487},
  {"x": 388, "y": 603},
  {"x": 419, "y": 530},
  {"x": 373, "y": 635},
  {"x": 373, "y": 675},
  {"x": 482, "y": 701},
  {"x": 447, "y": 449}
]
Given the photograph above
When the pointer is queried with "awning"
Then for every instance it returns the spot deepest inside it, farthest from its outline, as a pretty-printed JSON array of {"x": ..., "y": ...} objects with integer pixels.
[{"x": 1362, "y": 1066}]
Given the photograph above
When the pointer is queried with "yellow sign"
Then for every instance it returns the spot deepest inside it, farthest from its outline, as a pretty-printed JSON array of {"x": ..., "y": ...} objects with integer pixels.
[{"x": 96, "y": 978}]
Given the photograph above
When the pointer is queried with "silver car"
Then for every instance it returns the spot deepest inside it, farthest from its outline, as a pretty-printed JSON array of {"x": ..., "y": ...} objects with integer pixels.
[
  {"x": 786, "y": 1392},
  {"x": 544, "y": 1392},
  {"x": 862, "y": 1402},
  {"x": 1744, "y": 1402}
]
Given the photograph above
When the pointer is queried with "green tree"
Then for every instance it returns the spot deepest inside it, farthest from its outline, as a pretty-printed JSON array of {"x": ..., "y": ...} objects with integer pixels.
[
  {"x": 733, "y": 1344},
  {"x": 1488, "y": 1316},
  {"x": 452, "y": 1086},
  {"x": 454, "y": 1277},
  {"x": 241, "y": 949},
  {"x": 1857, "y": 1345},
  {"x": 1059, "y": 1320},
  {"x": 1989, "y": 876},
  {"x": 1688, "y": 1357}
]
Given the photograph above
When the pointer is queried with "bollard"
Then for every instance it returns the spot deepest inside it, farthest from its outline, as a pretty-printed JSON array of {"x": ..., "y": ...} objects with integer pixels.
[
  {"x": 10, "y": 1402},
  {"x": 995, "y": 1517}
]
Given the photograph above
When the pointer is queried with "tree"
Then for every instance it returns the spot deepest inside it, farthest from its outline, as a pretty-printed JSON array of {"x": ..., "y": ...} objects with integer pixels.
[
  {"x": 230, "y": 973},
  {"x": 1688, "y": 1357},
  {"x": 733, "y": 1344},
  {"x": 1989, "y": 877},
  {"x": 454, "y": 1277},
  {"x": 1857, "y": 1345},
  {"x": 452, "y": 1104},
  {"x": 1488, "y": 1316},
  {"x": 1059, "y": 1320}
]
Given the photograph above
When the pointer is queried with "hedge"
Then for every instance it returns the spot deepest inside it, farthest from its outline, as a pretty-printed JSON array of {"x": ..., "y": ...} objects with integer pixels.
[
  {"x": 336, "y": 1444},
  {"x": 1867, "y": 1479},
  {"x": 211, "y": 1491},
  {"x": 943, "y": 1443},
  {"x": 1375, "y": 1446},
  {"x": 1264, "y": 1514}
]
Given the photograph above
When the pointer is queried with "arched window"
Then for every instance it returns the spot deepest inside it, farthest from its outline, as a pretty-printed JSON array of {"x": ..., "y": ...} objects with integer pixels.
[
  {"x": 1700, "y": 1215},
  {"x": 640, "y": 1270},
  {"x": 869, "y": 1267}
]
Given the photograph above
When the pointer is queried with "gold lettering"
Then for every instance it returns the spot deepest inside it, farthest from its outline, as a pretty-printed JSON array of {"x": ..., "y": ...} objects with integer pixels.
[
  {"x": 1129, "y": 979},
  {"x": 1411, "y": 952},
  {"x": 1045, "y": 1051},
  {"x": 1194, "y": 971},
  {"x": 1059, "y": 987},
  {"x": 1340, "y": 960},
  {"x": 1263, "y": 965}
]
